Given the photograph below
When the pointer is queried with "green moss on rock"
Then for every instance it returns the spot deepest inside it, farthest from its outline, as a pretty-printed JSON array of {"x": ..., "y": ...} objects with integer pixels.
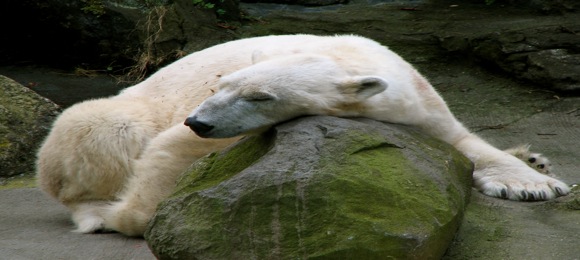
[
  {"x": 207, "y": 173},
  {"x": 17, "y": 182},
  {"x": 25, "y": 119}
]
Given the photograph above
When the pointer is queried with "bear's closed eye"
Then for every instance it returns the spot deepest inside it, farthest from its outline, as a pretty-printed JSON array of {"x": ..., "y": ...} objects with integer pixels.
[{"x": 259, "y": 96}]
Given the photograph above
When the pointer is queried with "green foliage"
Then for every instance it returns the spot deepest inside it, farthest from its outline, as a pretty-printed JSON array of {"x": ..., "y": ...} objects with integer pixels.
[
  {"x": 203, "y": 4},
  {"x": 220, "y": 12},
  {"x": 489, "y": 2},
  {"x": 208, "y": 5},
  {"x": 96, "y": 7}
]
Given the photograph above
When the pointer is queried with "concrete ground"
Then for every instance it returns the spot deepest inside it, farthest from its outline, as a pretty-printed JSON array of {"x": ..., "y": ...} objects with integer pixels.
[{"x": 33, "y": 226}]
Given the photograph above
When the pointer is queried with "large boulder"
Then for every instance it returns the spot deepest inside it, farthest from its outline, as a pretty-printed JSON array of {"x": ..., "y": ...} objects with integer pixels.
[
  {"x": 25, "y": 119},
  {"x": 318, "y": 187}
]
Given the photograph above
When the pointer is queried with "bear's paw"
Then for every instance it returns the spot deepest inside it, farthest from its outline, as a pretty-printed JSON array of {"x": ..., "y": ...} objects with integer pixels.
[
  {"x": 88, "y": 217},
  {"x": 518, "y": 183}
]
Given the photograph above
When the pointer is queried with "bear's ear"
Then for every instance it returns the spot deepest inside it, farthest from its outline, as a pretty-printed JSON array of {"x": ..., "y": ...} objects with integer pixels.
[{"x": 364, "y": 87}]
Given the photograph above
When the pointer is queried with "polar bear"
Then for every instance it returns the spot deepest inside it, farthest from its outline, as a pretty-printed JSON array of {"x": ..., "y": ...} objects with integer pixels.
[{"x": 112, "y": 160}]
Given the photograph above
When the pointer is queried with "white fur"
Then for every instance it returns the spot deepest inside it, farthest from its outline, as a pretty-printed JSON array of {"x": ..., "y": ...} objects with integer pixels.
[{"x": 111, "y": 161}]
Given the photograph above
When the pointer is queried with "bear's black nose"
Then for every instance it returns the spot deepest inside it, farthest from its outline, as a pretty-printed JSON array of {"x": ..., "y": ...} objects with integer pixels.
[{"x": 197, "y": 126}]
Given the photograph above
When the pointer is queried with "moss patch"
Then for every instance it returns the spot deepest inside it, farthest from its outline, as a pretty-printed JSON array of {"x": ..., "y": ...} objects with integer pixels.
[
  {"x": 25, "y": 118},
  {"x": 218, "y": 167},
  {"x": 21, "y": 181}
]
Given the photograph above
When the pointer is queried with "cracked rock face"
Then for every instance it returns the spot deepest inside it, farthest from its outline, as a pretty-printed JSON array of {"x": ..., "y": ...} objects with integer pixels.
[
  {"x": 548, "y": 56},
  {"x": 318, "y": 187}
]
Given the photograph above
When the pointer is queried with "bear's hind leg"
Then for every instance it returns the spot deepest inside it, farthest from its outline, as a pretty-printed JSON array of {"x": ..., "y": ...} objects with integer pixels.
[
  {"x": 88, "y": 216},
  {"x": 89, "y": 153}
]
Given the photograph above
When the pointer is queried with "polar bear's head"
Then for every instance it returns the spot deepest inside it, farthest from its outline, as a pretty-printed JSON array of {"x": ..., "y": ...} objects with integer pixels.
[{"x": 278, "y": 89}]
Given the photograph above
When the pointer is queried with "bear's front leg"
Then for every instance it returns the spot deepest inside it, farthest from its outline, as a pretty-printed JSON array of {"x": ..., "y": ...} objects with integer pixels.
[
  {"x": 500, "y": 174},
  {"x": 166, "y": 157}
]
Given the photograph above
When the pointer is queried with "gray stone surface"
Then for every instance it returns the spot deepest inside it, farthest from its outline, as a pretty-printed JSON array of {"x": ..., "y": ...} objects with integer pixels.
[
  {"x": 318, "y": 188},
  {"x": 549, "y": 55},
  {"x": 34, "y": 227},
  {"x": 25, "y": 119}
]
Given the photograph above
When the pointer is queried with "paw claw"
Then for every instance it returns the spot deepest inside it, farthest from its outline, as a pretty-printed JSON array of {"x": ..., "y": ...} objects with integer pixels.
[
  {"x": 524, "y": 195},
  {"x": 543, "y": 195},
  {"x": 560, "y": 192},
  {"x": 504, "y": 194}
]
